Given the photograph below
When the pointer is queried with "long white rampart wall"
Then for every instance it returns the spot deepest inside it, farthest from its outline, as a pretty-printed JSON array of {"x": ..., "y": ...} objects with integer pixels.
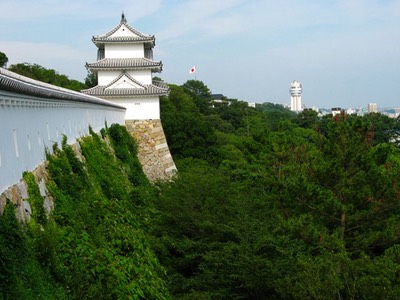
[{"x": 34, "y": 116}]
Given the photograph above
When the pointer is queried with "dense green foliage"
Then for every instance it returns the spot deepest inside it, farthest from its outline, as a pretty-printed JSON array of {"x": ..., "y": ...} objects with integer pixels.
[
  {"x": 91, "y": 80},
  {"x": 22, "y": 274},
  {"x": 3, "y": 59},
  {"x": 40, "y": 73},
  {"x": 104, "y": 250},
  {"x": 267, "y": 204},
  {"x": 95, "y": 244},
  {"x": 277, "y": 205}
]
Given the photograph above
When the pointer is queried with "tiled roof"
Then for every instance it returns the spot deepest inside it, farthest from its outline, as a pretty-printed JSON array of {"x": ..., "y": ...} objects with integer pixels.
[
  {"x": 125, "y": 63},
  {"x": 141, "y": 37},
  {"x": 125, "y": 74},
  {"x": 155, "y": 89},
  {"x": 148, "y": 90},
  {"x": 11, "y": 81},
  {"x": 161, "y": 84},
  {"x": 122, "y": 39}
]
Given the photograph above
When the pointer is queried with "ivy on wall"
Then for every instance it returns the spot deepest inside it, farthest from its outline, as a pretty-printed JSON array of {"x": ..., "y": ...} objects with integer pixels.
[{"x": 94, "y": 245}]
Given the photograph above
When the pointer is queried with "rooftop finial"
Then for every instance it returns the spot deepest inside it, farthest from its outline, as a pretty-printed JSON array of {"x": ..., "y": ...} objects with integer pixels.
[{"x": 123, "y": 19}]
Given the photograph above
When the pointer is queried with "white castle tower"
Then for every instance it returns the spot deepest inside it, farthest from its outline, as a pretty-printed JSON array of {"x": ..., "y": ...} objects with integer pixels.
[
  {"x": 124, "y": 68},
  {"x": 295, "y": 96},
  {"x": 372, "y": 108}
]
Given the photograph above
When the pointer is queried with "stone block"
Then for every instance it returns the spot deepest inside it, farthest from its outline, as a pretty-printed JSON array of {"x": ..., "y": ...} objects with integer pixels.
[
  {"x": 26, "y": 211},
  {"x": 156, "y": 130},
  {"x": 23, "y": 189},
  {"x": 3, "y": 202},
  {"x": 152, "y": 148},
  {"x": 14, "y": 195},
  {"x": 42, "y": 187},
  {"x": 48, "y": 204}
]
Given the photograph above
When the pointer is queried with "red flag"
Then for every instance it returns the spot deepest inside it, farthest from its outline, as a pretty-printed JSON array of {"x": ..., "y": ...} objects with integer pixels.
[{"x": 192, "y": 70}]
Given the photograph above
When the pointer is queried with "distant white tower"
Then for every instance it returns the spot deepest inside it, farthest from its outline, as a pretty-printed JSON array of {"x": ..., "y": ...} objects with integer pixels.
[
  {"x": 295, "y": 96},
  {"x": 372, "y": 108}
]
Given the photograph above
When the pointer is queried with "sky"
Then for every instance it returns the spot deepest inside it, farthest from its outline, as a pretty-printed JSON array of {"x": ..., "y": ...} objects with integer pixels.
[{"x": 346, "y": 53}]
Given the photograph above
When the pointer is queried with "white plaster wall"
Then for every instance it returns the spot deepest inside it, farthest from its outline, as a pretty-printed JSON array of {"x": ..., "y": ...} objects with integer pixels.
[
  {"x": 124, "y": 31},
  {"x": 124, "y": 51},
  {"x": 143, "y": 76},
  {"x": 27, "y": 130},
  {"x": 140, "y": 108},
  {"x": 105, "y": 77}
]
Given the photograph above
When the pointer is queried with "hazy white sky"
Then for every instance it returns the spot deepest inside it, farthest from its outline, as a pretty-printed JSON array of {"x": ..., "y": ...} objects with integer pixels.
[{"x": 345, "y": 52}]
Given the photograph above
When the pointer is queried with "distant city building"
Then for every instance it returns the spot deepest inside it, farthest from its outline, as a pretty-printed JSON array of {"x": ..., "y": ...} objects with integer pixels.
[
  {"x": 336, "y": 111},
  {"x": 251, "y": 104},
  {"x": 218, "y": 98},
  {"x": 372, "y": 108},
  {"x": 295, "y": 96}
]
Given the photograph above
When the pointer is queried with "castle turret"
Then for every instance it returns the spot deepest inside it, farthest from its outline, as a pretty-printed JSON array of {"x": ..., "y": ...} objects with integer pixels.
[{"x": 124, "y": 70}]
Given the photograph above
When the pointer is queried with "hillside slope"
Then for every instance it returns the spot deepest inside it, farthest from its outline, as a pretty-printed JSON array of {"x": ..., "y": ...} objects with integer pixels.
[{"x": 94, "y": 245}]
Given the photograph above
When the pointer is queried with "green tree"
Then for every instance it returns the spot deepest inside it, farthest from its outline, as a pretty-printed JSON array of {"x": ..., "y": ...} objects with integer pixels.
[
  {"x": 384, "y": 128},
  {"x": 187, "y": 130},
  {"x": 3, "y": 59},
  {"x": 236, "y": 113},
  {"x": 307, "y": 119},
  {"x": 346, "y": 184},
  {"x": 294, "y": 213},
  {"x": 103, "y": 249},
  {"x": 23, "y": 270},
  {"x": 197, "y": 88},
  {"x": 40, "y": 73},
  {"x": 274, "y": 114},
  {"x": 91, "y": 79},
  {"x": 340, "y": 197},
  {"x": 200, "y": 94},
  {"x": 210, "y": 235}
]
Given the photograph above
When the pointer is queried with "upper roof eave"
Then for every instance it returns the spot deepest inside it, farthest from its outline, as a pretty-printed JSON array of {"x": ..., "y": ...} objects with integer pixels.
[
  {"x": 123, "y": 22},
  {"x": 147, "y": 91},
  {"x": 123, "y": 40},
  {"x": 125, "y": 64},
  {"x": 144, "y": 90}
]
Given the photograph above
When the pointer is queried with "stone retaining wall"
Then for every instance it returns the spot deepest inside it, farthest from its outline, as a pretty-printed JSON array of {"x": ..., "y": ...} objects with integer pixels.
[
  {"x": 19, "y": 197},
  {"x": 153, "y": 151}
]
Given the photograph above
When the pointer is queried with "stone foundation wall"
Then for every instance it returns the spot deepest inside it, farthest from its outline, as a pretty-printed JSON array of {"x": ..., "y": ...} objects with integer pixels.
[
  {"x": 19, "y": 197},
  {"x": 153, "y": 151}
]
